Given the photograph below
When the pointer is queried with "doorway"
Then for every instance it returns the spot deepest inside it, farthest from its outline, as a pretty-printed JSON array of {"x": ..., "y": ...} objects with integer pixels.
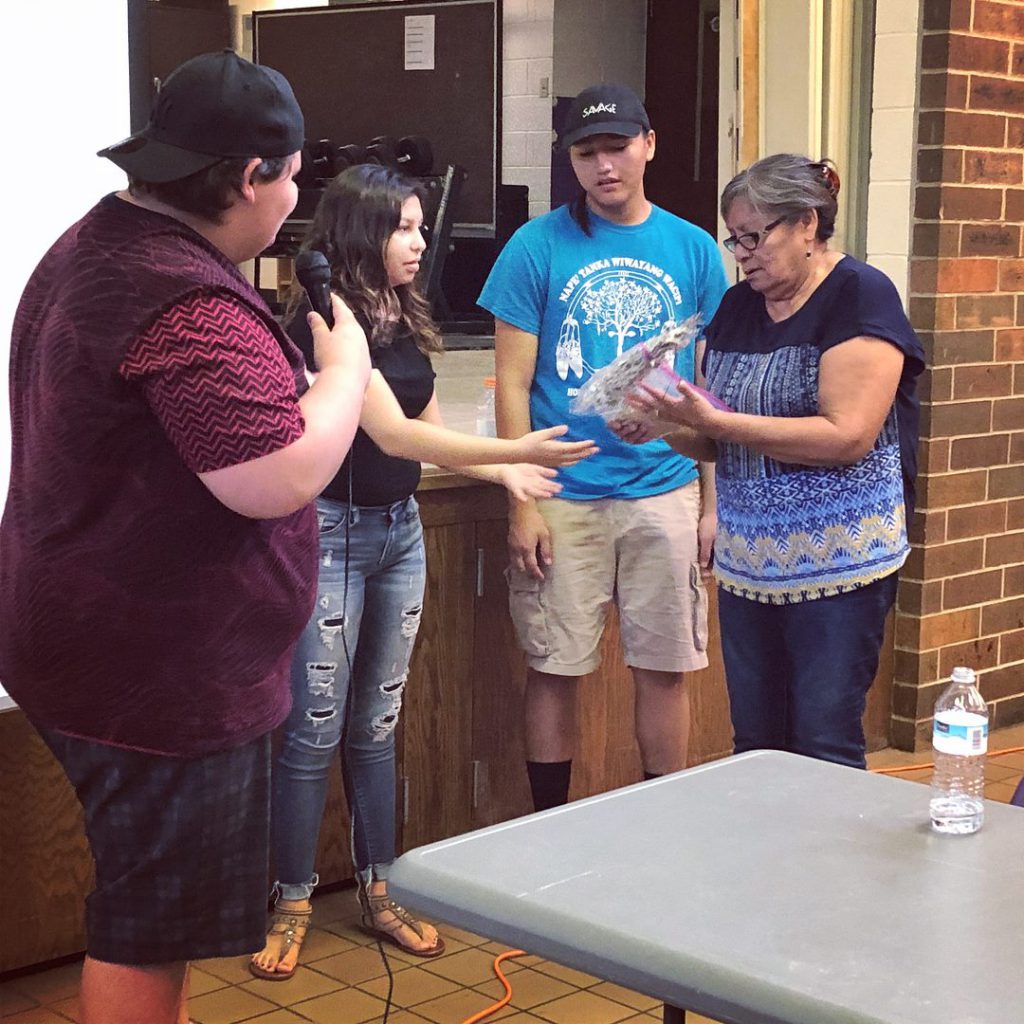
[{"x": 682, "y": 89}]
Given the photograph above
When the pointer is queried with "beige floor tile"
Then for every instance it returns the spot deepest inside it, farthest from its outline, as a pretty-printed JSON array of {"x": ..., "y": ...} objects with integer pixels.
[
  {"x": 232, "y": 969},
  {"x": 200, "y": 982},
  {"x": 411, "y": 987},
  {"x": 38, "y": 1015},
  {"x": 52, "y": 985},
  {"x": 583, "y": 1008},
  {"x": 637, "y": 1000},
  {"x": 1008, "y": 760},
  {"x": 307, "y": 984},
  {"x": 997, "y": 772},
  {"x": 13, "y": 1001},
  {"x": 278, "y": 1017},
  {"x": 336, "y": 906},
  {"x": 456, "y": 1006},
  {"x": 1001, "y": 791},
  {"x": 405, "y": 1017},
  {"x": 320, "y": 943},
  {"x": 578, "y": 979},
  {"x": 350, "y": 1006},
  {"x": 67, "y": 1008},
  {"x": 227, "y": 1005},
  {"x": 532, "y": 987},
  {"x": 403, "y": 956},
  {"x": 357, "y": 965},
  {"x": 460, "y": 935},
  {"x": 468, "y": 967}
]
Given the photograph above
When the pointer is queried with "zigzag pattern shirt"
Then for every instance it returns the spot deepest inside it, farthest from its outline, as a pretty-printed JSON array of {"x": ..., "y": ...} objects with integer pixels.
[{"x": 787, "y": 532}]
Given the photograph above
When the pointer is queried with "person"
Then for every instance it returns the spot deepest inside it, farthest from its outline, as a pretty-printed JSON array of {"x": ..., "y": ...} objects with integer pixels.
[
  {"x": 569, "y": 292},
  {"x": 158, "y": 546},
  {"x": 351, "y": 665},
  {"x": 815, "y": 465}
]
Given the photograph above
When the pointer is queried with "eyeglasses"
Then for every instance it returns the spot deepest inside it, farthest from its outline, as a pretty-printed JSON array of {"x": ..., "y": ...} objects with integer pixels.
[{"x": 751, "y": 239}]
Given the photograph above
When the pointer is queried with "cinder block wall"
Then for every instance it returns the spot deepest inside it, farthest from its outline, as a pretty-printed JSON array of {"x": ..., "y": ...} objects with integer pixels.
[{"x": 962, "y": 599}]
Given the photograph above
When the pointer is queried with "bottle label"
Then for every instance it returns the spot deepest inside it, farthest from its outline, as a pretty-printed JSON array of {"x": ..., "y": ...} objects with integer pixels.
[{"x": 961, "y": 733}]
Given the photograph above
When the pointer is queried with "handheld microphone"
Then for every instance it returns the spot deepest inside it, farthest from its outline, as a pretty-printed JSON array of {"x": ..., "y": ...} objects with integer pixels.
[{"x": 314, "y": 274}]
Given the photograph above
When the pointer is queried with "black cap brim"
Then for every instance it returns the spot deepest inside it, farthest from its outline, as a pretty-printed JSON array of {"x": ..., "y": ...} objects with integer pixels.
[
  {"x": 628, "y": 129},
  {"x": 147, "y": 160}
]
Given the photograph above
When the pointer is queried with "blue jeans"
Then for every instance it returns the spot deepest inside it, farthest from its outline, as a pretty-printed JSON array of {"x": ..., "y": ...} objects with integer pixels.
[
  {"x": 373, "y": 628},
  {"x": 798, "y": 675}
]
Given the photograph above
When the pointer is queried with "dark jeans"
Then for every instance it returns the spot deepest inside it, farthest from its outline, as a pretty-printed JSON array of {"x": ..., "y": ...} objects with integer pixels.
[{"x": 799, "y": 674}]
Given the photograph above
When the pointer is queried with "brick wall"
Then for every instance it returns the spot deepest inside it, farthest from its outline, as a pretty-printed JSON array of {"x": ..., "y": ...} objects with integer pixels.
[{"x": 962, "y": 599}]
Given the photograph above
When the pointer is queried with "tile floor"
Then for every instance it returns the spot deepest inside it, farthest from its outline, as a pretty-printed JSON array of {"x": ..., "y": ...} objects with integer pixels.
[{"x": 343, "y": 980}]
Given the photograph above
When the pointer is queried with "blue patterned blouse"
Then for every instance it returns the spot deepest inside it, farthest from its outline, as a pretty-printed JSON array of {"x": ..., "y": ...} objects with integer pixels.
[{"x": 788, "y": 532}]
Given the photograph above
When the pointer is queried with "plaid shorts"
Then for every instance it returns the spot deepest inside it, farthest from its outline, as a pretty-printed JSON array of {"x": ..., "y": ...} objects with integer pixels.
[{"x": 181, "y": 848}]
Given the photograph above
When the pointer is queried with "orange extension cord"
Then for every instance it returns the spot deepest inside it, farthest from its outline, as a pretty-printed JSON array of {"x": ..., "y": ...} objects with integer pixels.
[
  {"x": 504, "y": 1001},
  {"x": 495, "y": 1007},
  {"x": 931, "y": 764}
]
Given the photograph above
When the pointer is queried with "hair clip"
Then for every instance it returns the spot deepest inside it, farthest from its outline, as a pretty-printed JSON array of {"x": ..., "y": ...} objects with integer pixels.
[{"x": 829, "y": 176}]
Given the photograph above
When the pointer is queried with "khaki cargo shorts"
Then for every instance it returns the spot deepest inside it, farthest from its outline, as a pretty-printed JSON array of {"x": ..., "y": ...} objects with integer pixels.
[{"x": 640, "y": 553}]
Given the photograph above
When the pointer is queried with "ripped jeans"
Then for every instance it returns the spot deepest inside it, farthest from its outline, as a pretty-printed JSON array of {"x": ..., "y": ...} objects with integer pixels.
[{"x": 386, "y": 576}]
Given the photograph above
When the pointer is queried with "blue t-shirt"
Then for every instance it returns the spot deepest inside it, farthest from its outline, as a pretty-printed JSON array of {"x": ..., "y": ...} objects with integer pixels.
[
  {"x": 788, "y": 532},
  {"x": 587, "y": 299}
]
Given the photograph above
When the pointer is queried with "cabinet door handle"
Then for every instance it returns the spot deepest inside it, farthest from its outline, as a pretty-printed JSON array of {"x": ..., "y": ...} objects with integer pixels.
[
  {"x": 476, "y": 785},
  {"x": 479, "y": 572}
]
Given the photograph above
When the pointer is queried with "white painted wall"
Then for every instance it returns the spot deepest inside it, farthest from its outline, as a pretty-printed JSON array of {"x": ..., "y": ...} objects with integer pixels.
[
  {"x": 65, "y": 74},
  {"x": 893, "y": 111},
  {"x": 527, "y": 69}
]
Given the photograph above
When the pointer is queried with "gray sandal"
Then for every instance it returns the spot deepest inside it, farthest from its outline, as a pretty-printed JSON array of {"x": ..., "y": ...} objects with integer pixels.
[
  {"x": 290, "y": 926},
  {"x": 375, "y": 905}
]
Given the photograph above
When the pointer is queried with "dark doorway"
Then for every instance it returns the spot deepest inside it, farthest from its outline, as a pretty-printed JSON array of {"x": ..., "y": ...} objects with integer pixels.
[
  {"x": 165, "y": 33},
  {"x": 682, "y": 101}
]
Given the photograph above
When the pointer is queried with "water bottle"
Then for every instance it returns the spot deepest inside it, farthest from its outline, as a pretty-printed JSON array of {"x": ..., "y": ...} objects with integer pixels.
[
  {"x": 485, "y": 426},
  {"x": 960, "y": 742}
]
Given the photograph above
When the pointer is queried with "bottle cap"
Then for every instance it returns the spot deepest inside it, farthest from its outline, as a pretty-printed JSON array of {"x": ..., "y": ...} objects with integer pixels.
[
  {"x": 962, "y": 674},
  {"x": 490, "y": 382}
]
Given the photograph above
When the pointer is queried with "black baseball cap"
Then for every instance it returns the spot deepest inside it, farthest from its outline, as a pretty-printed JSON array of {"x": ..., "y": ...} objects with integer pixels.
[
  {"x": 605, "y": 109},
  {"x": 211, "y": 107}
]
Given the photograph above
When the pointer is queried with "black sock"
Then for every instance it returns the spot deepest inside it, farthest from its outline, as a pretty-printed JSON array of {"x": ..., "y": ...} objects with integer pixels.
[
  {"x": 549, "y": 783},
  {"x": 652, "y": 775}
]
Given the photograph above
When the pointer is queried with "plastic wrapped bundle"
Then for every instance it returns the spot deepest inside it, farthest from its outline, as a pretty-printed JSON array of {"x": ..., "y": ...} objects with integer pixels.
[{"x": 605, "y": 393}]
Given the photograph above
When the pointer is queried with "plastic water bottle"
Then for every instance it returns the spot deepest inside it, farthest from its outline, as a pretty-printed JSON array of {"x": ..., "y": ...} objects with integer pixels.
[
  {"x": 960, "y": 742},
  {"x": 485, "y": 426}
]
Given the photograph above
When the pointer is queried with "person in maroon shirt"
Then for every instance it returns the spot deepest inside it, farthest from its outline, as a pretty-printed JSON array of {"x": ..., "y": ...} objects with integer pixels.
[{"x": 158, "y": 549}]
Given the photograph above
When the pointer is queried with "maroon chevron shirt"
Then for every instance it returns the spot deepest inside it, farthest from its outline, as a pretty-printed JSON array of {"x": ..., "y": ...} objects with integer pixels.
[{"x": 135, "y": 609}]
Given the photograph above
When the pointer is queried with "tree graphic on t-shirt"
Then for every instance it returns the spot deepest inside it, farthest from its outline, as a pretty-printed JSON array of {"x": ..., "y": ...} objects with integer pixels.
[{"x": 621, "y": 308}]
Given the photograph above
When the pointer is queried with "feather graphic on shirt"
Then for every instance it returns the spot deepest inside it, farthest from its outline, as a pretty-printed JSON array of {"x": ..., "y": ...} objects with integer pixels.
[{"x": 568, "y": 355}]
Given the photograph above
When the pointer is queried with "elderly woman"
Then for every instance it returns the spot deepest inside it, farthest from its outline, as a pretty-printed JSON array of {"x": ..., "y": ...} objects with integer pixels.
[{"x": 815, "y": 463}]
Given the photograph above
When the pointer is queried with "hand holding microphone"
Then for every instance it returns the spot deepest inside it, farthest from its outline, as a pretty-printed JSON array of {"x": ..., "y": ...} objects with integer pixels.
[{"x": 338, "y": 340}]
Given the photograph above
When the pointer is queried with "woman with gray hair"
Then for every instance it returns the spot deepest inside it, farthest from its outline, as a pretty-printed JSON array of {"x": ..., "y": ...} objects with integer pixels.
[{"x": 815, "y": 461}]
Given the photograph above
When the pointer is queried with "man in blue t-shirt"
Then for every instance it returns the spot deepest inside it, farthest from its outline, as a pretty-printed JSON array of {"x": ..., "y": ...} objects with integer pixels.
[{"x": 570, "y": 291}]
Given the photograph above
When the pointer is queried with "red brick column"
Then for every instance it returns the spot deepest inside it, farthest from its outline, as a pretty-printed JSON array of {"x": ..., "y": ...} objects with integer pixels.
[{"x": 962, "y": 599}]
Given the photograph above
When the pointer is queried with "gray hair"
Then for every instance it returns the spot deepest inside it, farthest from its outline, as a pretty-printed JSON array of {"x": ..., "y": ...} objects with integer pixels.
[{"x": 787, "y": 185}]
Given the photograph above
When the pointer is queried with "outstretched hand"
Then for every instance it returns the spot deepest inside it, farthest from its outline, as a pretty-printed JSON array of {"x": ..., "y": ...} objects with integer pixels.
[
  {"x": 524, "y": 480},
  {"x": 636, "y": 431},
  {"x": 541, "y": 448}
]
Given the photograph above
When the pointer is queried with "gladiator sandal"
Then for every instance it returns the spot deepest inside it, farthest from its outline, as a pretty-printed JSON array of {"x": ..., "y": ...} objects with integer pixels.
[
  {"x": 373, "y": 906},
  {"x": 290, "y": 927}
]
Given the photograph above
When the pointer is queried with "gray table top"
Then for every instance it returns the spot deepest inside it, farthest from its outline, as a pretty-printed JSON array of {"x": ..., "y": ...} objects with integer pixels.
[{"x": 762, "y": 888}]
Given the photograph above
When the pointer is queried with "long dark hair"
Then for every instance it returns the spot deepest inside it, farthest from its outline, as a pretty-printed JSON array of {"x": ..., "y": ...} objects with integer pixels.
[{"x": 358, "y": 213}]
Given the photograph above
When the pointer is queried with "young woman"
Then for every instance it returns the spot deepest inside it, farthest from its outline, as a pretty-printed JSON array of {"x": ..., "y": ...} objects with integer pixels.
[{"x": 352, "y": 660}]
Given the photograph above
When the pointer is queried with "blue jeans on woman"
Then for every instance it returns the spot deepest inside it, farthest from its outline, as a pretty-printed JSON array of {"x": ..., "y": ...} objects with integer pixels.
[
  {"x": 366, "y": 616},
  {"x": 798, "y": 674}
]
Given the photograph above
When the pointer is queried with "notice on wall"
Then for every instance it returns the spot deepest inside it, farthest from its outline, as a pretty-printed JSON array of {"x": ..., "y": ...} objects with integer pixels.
[{"x": 419, "y": 42}]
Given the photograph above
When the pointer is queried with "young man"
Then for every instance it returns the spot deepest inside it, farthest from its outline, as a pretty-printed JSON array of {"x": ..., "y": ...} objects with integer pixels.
[
  {"x": 158, "y": 551},
  {"x": 569, "y": 292}
]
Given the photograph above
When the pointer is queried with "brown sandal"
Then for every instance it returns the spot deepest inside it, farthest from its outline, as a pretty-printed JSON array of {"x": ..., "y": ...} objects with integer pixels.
[
  {"x": 291, "y": 927},
  {"x": 372, "y": 906}
]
